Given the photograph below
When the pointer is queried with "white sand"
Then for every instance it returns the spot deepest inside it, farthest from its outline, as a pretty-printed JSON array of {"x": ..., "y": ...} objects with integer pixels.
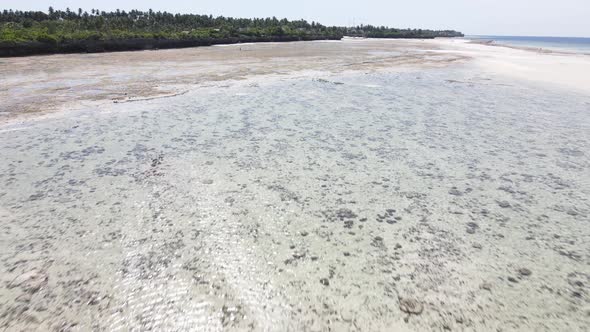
[{"x": 556, "y": 68}]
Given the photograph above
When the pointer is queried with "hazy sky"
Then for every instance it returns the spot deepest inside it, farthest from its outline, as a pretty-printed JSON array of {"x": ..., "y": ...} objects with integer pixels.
[{"x": 500, "y": 17}]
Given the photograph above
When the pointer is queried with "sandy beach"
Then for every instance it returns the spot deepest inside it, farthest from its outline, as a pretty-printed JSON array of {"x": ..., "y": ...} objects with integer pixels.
[{"x": 360, "y": 185}]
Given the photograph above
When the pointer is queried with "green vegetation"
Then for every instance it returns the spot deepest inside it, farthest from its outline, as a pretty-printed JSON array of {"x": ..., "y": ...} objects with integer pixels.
[
  {"x": 370, "y": 31},
  {"x": 28, "y": 32}
]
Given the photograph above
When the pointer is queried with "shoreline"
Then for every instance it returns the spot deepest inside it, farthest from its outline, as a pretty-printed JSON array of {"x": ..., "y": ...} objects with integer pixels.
[
  {"x": 526, "y": 48},
  {"x": 33, "y": 48},
  {"x": 79, "y": 80},
  {"x": 109, "y": 77}
]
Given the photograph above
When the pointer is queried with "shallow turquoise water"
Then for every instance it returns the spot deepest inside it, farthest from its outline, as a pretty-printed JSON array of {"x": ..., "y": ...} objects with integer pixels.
[
  {"x": 300, "y": 204},
  {"x": 571, "y": 44}
]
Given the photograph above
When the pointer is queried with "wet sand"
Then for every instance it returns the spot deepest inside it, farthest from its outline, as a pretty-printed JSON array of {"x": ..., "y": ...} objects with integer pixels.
[
  {"x": 366, "y": 185},
  {"x": 49, "y": 83}
]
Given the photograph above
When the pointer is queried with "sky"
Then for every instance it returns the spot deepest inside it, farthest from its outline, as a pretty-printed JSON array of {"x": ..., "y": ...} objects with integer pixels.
[{"x": 472, "y": 17}]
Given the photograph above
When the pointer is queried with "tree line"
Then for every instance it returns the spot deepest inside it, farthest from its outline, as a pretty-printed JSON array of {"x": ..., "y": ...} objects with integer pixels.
[{"x": 68, "y": 27}]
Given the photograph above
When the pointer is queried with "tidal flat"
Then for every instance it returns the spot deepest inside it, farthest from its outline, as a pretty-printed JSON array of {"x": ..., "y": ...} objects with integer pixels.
[{"x": 400, "y": 185}]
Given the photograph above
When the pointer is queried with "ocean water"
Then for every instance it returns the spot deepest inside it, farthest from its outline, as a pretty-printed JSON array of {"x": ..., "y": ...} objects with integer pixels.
[
  {"x": 571, "y": 44},
  {"x": 302, "y": 204}
]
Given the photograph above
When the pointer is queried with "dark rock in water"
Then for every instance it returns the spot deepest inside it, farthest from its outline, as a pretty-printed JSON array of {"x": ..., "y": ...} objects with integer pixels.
[
  {"x": 398, "y": 246},
  {"x": 390, "y": 221},
  {"x": 455, "y": 192},
  {"x": 471, "y": 227},
  {"x": 304, "y": 233},
  {"x": 504, "y": 204},
  {"x": 507, "y": 189},
  {"x": 325, "y": 281},
  {"x": 525, "y": 272},
  {"x": 512, "y": 279},
  {"x": 345, "y": 214},
  {"x": 390, "y": 211},
  {"x": 346, "y": 253},
  {"x": 476, "y": 246},
  {"x": 378, "y": 242},
  {"x": 410, "y": 306},
  {"x": 157, "y": 161},
  {"x": 36, "y": 196},
  {"x": 298, "y": 255},
  {"x": 486, "y": 286}
]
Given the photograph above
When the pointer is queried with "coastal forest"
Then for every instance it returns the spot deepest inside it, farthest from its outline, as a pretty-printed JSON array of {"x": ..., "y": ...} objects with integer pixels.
[{"x": 58, "y": 31}]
